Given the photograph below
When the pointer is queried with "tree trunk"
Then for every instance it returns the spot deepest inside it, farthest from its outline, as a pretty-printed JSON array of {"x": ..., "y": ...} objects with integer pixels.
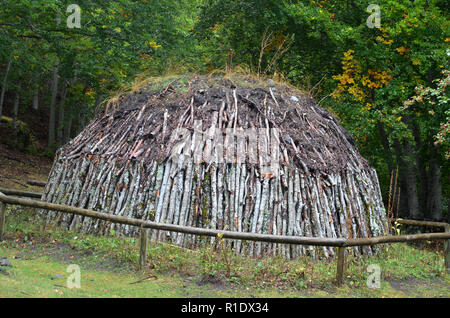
[
  {"x": 35, "y": 103},
  {"x": 411, "y": 183},
  {"x": 408, "y": 180},
  {"x": 98, "y": 100},
  {"x": 403, "y": 210},
  {"x": 448, "y": 210},
  {"x": 81, "y": 120},
  {"x": 83, "y": 117},
  {"x": 5, "y": 81},
  {"x": 60, "y": 131},
  {"x": 68, "y": 126},
  {"x": 36, "y": 99},
  {"x": 16, "y": 110},
  {"x": 387, "y": 148},
  {"x": 421, "y": 168},
  {"x": 54, "y": 92},
  {"x": 434, "y": 203}
]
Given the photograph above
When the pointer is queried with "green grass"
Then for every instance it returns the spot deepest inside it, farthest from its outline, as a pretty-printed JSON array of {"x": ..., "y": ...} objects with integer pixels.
[
  {"x": 32, "y": 278},
  {"x": 109, "y": 264}
]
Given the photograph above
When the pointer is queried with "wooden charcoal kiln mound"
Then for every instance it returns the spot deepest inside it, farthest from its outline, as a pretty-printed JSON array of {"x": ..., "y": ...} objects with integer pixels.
[{"x": 135, "y": 161}]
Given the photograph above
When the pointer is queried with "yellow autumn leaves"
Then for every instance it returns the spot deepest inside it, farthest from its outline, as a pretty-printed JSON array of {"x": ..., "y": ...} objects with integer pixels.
[
  {"x": 405, "y": 51},
  {"x": 402, "y": 50},
  {"x": 354, "y": 82},
  {"x": 90, "y": 92},
  {"x": 379, "y": 78},
  {"x": 153, "y": 45},
  {"x": 383, "y": 40}
]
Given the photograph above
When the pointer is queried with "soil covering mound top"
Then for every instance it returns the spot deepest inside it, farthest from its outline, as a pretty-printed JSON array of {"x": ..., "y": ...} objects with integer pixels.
[{"x": 144, "y": 120}]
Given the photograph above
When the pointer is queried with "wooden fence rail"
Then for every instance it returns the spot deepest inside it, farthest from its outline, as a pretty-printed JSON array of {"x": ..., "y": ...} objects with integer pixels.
[
  {"x": 444, "y": 225},
  {"x": 36, "y": 183},
  {"x": 340, "y": 243},
  {"x": 422, "y": 223},
  {"x": 319, "y": 241},
  {"x": 21, "y": 193}
]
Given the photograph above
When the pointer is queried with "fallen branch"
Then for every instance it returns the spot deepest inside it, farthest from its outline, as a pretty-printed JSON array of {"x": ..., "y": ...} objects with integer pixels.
[
  {"x": 21, "y": 193},
  {"x": 36, "y": 183}
]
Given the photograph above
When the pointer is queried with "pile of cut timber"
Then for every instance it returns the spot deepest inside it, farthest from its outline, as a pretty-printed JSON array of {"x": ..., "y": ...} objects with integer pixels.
[{"x": 220, "y": 153}]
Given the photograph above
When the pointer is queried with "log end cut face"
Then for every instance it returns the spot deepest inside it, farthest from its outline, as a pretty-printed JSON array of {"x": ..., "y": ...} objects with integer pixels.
[{"x": 224, "y": 153}]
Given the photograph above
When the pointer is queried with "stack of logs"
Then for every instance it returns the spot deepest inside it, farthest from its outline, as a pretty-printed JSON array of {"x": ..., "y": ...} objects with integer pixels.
[{"x": 136, "y": 162}]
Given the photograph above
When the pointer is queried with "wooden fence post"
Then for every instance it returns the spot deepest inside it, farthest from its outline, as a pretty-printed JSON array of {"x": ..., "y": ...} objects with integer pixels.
[
  {"x": 143, "y": 249},
  {"x": 2, "y": 220},
  {"x": 447, "y": 250},
  {"x": 340, "y": 265}
]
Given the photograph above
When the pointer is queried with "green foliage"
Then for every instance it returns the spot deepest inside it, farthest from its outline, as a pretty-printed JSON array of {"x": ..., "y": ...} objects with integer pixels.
[
  {"x": 116, "y": 41},
  {"x": 370, "y": 72},
  {"x": 433, "y": 104},
  {"x": 219, "y": 262}
]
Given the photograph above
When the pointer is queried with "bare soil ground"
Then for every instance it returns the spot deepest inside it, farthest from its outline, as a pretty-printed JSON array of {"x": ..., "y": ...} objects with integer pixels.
[
  {"x": 414, "y": 287},
  {"x": 17, "y": 167}
]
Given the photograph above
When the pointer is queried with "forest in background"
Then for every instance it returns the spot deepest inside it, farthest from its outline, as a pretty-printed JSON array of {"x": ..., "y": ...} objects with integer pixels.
[{"x": 388, "y": 85}]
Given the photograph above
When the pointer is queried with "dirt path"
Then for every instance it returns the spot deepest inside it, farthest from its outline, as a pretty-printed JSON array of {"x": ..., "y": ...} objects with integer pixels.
[{"x": 414, "y": 287}]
